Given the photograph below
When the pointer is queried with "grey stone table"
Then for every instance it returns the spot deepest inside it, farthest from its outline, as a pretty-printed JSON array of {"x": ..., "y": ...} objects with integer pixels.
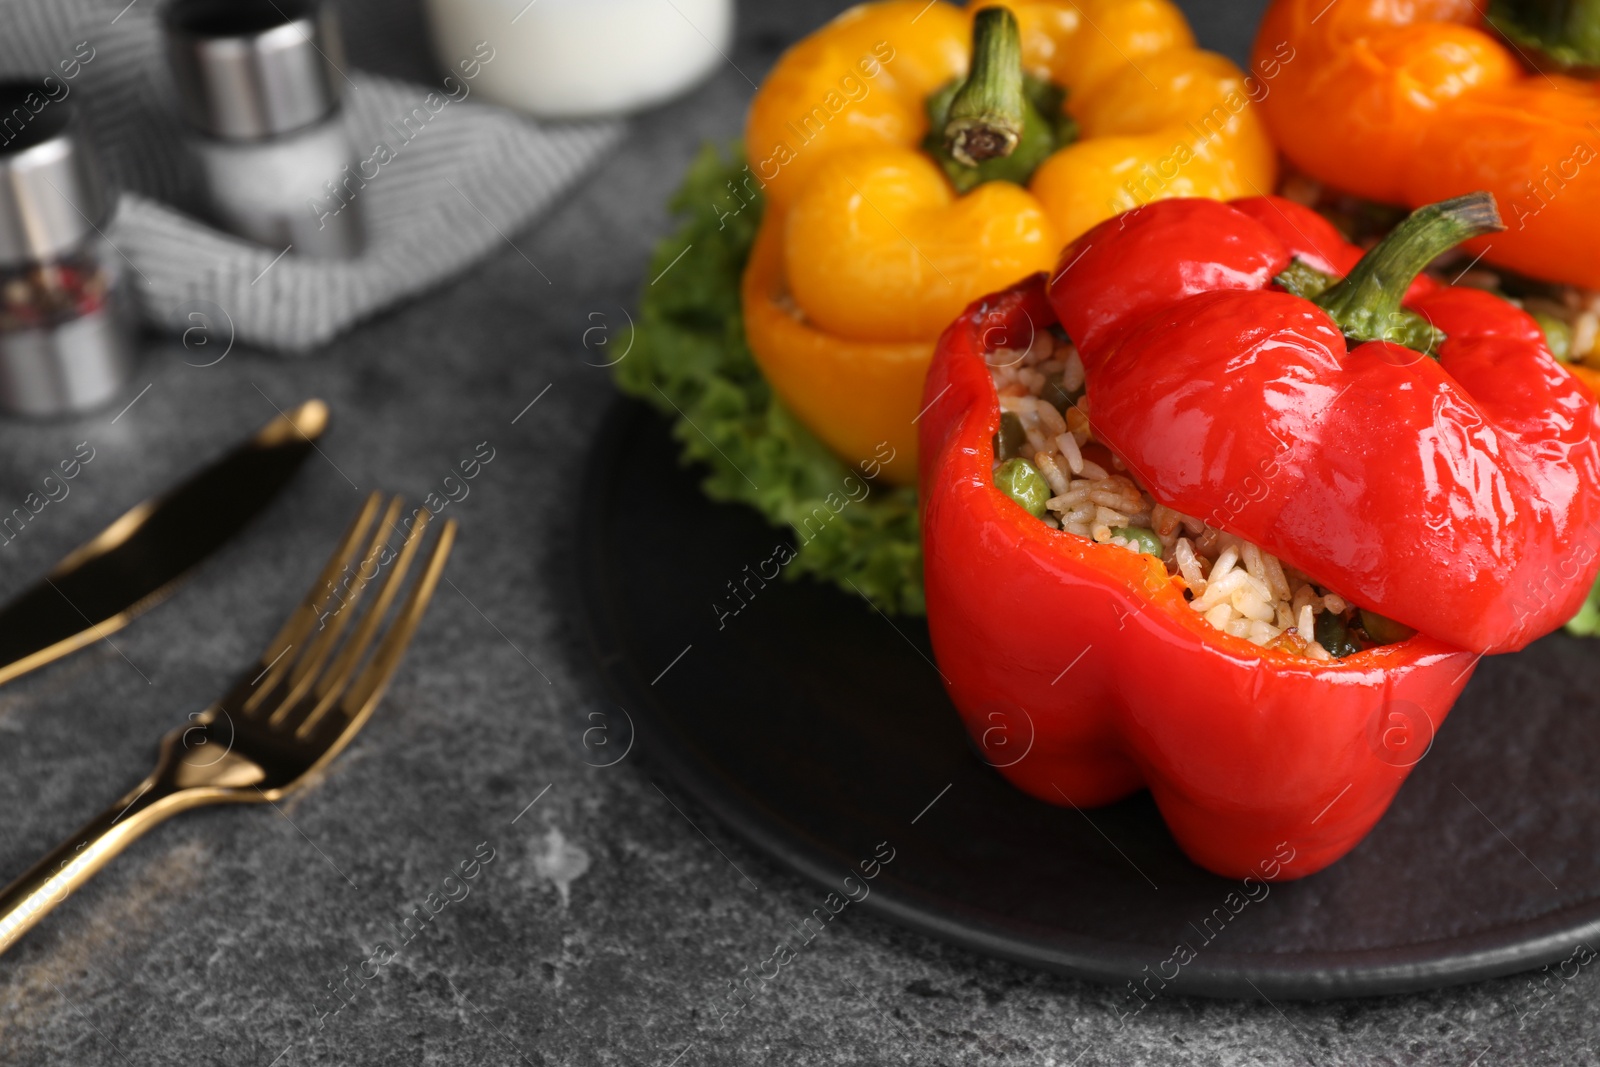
[{"x": 613, "y": 913}]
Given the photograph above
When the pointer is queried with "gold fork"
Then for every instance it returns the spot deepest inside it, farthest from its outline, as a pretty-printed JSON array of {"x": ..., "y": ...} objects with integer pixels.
[{"x": 284, "y": 720}]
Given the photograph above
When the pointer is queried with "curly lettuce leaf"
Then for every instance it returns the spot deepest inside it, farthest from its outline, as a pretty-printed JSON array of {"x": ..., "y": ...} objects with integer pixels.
[
  {"x": 1586, "y": 623},
  {"x": 691, "y": 361}
]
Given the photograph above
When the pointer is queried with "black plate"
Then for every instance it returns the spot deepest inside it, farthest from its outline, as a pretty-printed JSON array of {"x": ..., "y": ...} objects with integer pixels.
[{"x": 816, "y": 728}]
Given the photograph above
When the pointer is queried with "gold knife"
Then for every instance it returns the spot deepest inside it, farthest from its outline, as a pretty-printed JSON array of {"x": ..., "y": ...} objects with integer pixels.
[{"x": 134, "y": 563}]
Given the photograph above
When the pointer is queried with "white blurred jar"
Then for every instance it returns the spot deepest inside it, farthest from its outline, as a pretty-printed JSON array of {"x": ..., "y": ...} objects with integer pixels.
[{"x": 581, "y": 58}]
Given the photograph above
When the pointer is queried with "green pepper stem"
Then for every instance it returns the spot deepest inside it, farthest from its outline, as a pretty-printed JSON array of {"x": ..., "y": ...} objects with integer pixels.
[
  {"x": 986, "y": 115},
  {"x": 1366, "y": 304},
  {"x": 1565, "y": 33}
]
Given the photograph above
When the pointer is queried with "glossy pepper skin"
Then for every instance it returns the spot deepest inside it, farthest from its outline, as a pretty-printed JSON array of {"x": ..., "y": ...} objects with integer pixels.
[
  {"x": 1410, "y": 103},
  {"x": 1087, "y": 661},
  {"x": 1460, "y": 496},
  {"x": 867, "y": 251}
]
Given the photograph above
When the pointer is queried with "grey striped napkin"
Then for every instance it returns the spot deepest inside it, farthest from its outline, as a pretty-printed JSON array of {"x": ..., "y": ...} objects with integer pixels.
[{"x": 475, "y": 175}]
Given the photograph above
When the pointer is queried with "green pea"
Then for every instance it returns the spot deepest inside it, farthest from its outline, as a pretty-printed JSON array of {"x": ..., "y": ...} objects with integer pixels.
[
  {"x": 1383, "y": 629},
  {"x": 1557, "y": 334},
  {"x": 1022, "y": 482},
  {"x": 1145, "y": 540},
  {"x": 1333, "y": 636},
  {"x": 1008, "y": 442}
]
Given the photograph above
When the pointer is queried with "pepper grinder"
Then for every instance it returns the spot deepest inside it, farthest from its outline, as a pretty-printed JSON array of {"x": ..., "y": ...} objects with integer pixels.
[
  {"x": 66, "y": 327},
  {"x": 259, "y": 83}
]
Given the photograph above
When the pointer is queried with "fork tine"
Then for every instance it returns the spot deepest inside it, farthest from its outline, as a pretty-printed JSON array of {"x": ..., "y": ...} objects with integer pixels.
[
  {"x": 369, "y": 688},
  {"x": 272, "y": 664},
  {"x": 305, "y": 665},
  {"x": 337, "y": 677}
]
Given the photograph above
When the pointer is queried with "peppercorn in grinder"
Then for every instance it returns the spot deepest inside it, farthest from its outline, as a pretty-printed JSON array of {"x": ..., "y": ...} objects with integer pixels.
[{"x": 66, "y": 325}]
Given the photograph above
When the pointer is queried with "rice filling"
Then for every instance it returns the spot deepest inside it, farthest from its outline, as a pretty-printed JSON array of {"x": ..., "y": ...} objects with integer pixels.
[{"x": 1233, "y": 584}]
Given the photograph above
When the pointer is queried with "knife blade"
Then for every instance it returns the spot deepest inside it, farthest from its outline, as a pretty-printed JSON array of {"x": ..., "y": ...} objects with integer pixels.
[{"x": 135, "y": 563}]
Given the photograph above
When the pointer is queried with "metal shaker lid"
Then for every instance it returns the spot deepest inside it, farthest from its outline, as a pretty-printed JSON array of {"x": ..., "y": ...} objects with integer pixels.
[
  {"x": 250, "y": 69},
  {"x": 51, "y": 197}
]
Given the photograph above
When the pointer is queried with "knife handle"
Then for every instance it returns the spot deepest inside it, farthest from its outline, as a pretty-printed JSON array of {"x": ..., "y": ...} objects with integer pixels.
[{"x": 50, "y": 881}]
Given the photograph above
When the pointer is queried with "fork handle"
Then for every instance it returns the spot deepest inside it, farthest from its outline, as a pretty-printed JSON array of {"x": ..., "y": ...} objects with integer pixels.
[{"x": 50, "y": 881}]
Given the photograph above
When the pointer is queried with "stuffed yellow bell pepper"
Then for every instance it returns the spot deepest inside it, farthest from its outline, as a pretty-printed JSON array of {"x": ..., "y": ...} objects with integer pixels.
[{"x": 917, "y": 156}]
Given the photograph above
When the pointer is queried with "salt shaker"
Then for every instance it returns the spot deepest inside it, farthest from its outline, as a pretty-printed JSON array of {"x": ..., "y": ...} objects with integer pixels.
[
  {"x": 66, "y": 324},
  {"x": 259, "y": 82}
]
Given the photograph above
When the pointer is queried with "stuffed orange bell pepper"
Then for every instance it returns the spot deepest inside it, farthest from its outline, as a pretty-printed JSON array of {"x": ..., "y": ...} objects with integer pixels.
[
  {"x": 915, "y": 156},
  {"x": 1411, "y": 103}
]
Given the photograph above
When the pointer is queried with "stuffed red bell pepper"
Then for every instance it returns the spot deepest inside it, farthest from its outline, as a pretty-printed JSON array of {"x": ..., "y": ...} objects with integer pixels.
[{"x": 1266, "y": 465}]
